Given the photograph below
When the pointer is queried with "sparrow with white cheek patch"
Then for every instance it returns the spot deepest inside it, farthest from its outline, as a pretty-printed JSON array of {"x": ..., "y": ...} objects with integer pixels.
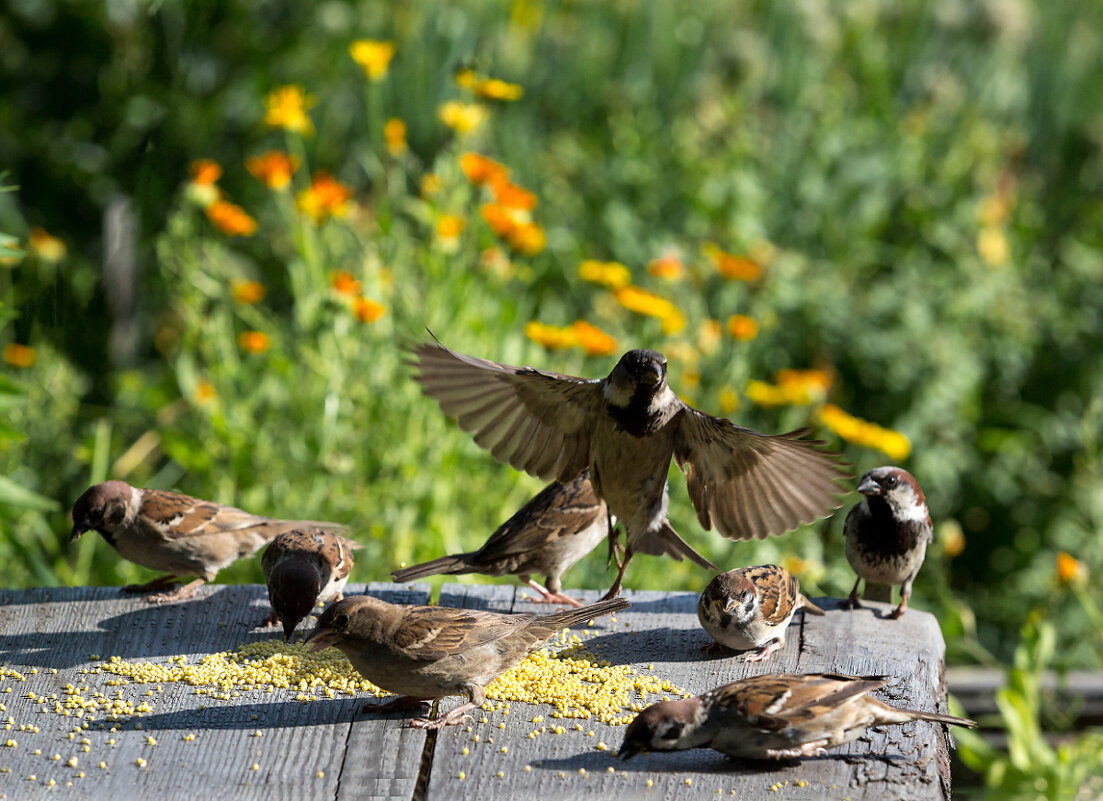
[
  {"x": 625, "y": 429},
  {"x": 750, "y": 608},
  {"x": 774, "y": 716},
  {"x": 888, "y": 532},
  {"x": 429, "y": 652},
  {"x": 301, "y": 568},
  {"x": 173, "y": 532},
  {"x": 548, "y": 534}
]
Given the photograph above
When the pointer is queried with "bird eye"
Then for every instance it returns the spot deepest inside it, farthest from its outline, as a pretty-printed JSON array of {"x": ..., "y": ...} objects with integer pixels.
[
  {"x": 340, "y": 621},
  {"x": 891, "y": 481},
  {"x": 672, "y": 732}
]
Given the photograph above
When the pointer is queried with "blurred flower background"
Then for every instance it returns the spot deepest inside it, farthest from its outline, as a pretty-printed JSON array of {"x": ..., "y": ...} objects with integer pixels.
[{"x": 883, "y": 221}]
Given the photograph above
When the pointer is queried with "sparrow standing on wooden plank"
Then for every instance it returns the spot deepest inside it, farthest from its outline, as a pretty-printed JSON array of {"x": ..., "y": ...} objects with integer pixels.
[
  {"x": 548, "y": 534},
  {"x": 170, "y": 531},
  {"x": 428, "y": 652},
  {"x": 888, "y": 532},
  {"x": 749, "y": 609},
  {"x": 302, "y": 567},
  {"x": 773, "y": 716},
  {"x": 625, "y": 429}
]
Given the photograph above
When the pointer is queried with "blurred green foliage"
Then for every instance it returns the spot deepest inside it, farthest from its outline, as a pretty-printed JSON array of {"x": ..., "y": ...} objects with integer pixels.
[{"x": 922, "y": 182}]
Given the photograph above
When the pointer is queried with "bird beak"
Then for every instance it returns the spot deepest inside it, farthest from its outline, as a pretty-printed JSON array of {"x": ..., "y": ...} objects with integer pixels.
[
  {"x": 321, "y": 638},
  {"x": 653, "y": 376},
  {"x": 78, "y": 529},
  {"x": 869, "y": 487},
  {"x": 289, "y": 629},
  {"x": 729, "y": 605},
  {"x": 628, "y": 750}
]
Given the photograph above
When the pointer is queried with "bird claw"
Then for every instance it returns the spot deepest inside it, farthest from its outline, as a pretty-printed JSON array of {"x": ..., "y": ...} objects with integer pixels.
[{"x": 271, "y": 620}]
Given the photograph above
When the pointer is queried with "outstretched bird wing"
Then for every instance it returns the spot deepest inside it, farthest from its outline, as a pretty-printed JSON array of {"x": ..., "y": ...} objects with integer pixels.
[
  {"x": 752, "y": 485},
  {"x": 536, "y": 421}
]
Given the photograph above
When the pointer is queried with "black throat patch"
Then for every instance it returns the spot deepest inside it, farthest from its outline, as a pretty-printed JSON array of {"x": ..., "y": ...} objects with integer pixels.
[{"x": 635, "y": 417}]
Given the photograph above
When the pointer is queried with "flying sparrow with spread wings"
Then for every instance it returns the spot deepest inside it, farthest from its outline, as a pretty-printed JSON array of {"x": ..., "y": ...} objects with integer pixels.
[
  {"x": 888, "y": 532},
  {"x": 551, "y": 532},
  {"x": 173, "y": 532},
  {"x": 429, "y": 652},
  {"x": 773, "y": 716},
  {"x": 625, "y": 429}
]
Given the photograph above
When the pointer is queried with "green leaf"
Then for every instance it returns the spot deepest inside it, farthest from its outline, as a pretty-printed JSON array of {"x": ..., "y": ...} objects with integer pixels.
[{"x": 12, "y": 494}]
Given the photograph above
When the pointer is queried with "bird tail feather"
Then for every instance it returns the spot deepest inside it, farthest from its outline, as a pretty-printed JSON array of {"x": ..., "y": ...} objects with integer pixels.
[
  {"x": 446, "y": 564},
  {"x": 665, "y": 540},
  {"x": 949, "y": 720},
  {"x": 572, "y": 617},
  {"x": 808, "y": 606}
]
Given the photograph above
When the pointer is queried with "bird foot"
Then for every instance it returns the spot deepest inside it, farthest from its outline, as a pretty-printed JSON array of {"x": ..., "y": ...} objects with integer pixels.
[
  {"x": 761, "y": 654},
  {"x": 271, "y": 620},
  {"x": 403, "y": 703},
  {"x": 852, "y": 602},
  {"x": 159, "y": 583},
  {"x": 556, "y": 598},
  {"x": 714, "y": 649},
  {"x": 899, "y": 611},
  {"x": 181, "y": 593}
]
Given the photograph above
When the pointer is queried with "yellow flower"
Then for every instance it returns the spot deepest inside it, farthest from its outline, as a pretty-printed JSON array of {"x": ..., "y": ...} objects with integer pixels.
[
  {"x": 248, "y": 292},
  {"x": 374, "y": 57},
  {"x": 811, "y": 383},
  {"x": 734, "y": 268},
  {"x": 609, "y": 274},
  {"x": 482, "y": 170},
  {"x": 430, "y": 184},
  {"x": 46, "y": 246},
  {"x": 449, "y": 226},
  {"x": 344, "y": 283},
  {"x": 287, "y": 107},
  {"x": 463, "y": 118},
  {"x": 729, "y": 399},
  {"x": 641, "y": 301},
  {"x": 367, "y": 311},
  {"x": 762, "y": 393},
  {"x": 550, "y": 336},
  {"x": 394, "y": 134},
  {"x": 952, "y": 538},
  {"x": 669, "y": 267},
  {"x": 742, "y": 328},
  {"x": 708, "y": 336},
  {"x": 1070, "y": 569},
  {"x": 326, "y": 197},
  {"x": 593, "y": 340},
  {"x": 231, "y": 219},
  {"x": 205, "y": 392},
  {"x": 205, "y": 172},
  {"x": 994, "y": 209},
  {"x": 862, "y": 432},
  {"x": 496, "y": 262},
  {"x": 488, "y": 88},
  {"x": 273, "y": 169},
  {"x": 19, "y": 355},
  {"x": 254, "y": 341},
  {"x": 527, "y": 238},
  {"x": 992, "y": 246}
]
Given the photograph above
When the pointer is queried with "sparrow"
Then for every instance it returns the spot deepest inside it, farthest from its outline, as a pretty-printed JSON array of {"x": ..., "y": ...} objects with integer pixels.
[
  {"x": 625, "y": 429},
  {"x": 302, "y": 567},
  {"x": 749, "y": 609},
  {"x": 547, "y": 535},
  {"x": 888, "y": 532},
  {"x": 773, "y": 716},
  {"x": 428, "y": 652},
  {"x": 173, "y": 532}
]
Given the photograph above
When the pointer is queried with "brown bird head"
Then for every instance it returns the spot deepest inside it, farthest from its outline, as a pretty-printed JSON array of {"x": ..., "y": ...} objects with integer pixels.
[
  {"x": 665, "y": 726},
  {"x": 358, "y": 615},
  {"x": 639, "y": 375},
  {"x": 293, "y": 589},
  {"x": 101, "y": 508},
  {"x": 897, "y": 489},
  {"x": 734, "y": 594}
]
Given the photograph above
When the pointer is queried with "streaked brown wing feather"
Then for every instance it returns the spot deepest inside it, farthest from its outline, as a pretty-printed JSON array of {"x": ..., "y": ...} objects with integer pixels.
[
  {"x": 534, "y": 420},
  {"x": 430, "y": 632},
  {"x": 752, "y": 485},
  {"x": 557, "y": 511}
]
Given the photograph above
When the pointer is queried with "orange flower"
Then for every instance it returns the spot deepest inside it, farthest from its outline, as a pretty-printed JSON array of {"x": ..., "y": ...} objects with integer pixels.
[
  {"x": 205, "y": 172},
  {"x": 641, "y": 301},
  {"x": 669, "y": 267},
  {"x": 248, "y": 292},
  {"x": 344, "y": 282},
  {"x": 449, "y": 226},
  {"x": 609, "y": 274},
  {"x": 273, "y": 169},
  {"x": 814, "y": 382},
  {"x": 1070, "y": 569},
  {"x": 19, "y": 355},
  {"x": 550, "y": 336},
  {"x": 495, "y": 261},
  {"x": 742, "y": 327},
  {"x": 527, "y": 238},
  {"x": 204, "y": 392},
  {"x": 394, "y": 134},
  {"x": 326, "y": 197},
  {"x": 463, "y": 118},
  {"x": 367, "y": 311},
  {"x": 513, "y": 196},
  {"x": 482, "y": 170},
  {"x": 287, "y": 107},
  {"x": 501, "y": 220},
  {"x": 488, "y": 88},
  {"x": 231, "y": 219},
  {"x": 254, "y": 341},
  {"x": 374, "y": 57},
  {"x": 47, "y": 247},
  {"x": 734, "y": 268},
  {"x": 593, "y": 340}
]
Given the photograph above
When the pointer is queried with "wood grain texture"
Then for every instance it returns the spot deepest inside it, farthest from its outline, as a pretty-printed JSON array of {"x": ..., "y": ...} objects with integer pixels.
[
  {"x": 63, "y": 628},
  {"x": 363, "y": 756}
]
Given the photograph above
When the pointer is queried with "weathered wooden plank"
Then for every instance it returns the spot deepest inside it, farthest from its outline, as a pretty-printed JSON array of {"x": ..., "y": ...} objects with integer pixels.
[{"x": 62, "y": 628}]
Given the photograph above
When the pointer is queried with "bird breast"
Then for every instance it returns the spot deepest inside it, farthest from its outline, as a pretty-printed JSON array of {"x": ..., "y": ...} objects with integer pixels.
[{"x": 629, "y": 473}]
